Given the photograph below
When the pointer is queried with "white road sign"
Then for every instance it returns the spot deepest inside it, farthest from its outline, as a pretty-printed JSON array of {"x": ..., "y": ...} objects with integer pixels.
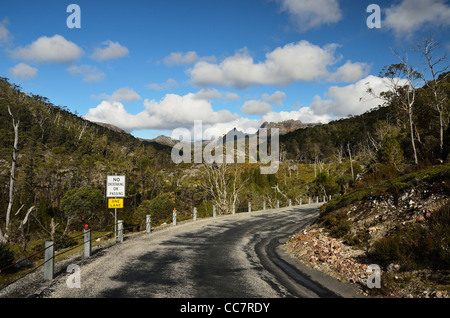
[{"x": 115, "y": 186}]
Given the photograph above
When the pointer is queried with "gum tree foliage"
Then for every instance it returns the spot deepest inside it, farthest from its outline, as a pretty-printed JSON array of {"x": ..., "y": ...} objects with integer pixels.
[
  {"x": 390, "y": 152},
  {"x": 159, "y": 208},
  {"x": 80, "y": 203}
]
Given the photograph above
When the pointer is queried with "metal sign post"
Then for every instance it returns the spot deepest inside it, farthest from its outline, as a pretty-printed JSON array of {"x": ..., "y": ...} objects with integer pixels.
[{"x": 115, "y": 188}]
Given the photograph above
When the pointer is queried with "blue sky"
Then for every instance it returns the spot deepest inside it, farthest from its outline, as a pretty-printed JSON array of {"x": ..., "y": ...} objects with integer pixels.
[{"x": 152, "y": 66}]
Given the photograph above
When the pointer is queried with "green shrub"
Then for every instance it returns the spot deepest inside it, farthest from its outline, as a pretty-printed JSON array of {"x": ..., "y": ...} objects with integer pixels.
[
  {"x": 64, "y": 241},
  {"x": 337, "y": 222},
  {"x": 6, "y": 255},
  {"x": 159, "y": 208},
  {"x": 418, "y": 246}
]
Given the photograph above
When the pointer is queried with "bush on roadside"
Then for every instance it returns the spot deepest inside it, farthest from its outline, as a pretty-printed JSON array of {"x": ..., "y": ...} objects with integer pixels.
[
  {"x": 418, "y": 246},
  {"x": 6, "y": 255}
]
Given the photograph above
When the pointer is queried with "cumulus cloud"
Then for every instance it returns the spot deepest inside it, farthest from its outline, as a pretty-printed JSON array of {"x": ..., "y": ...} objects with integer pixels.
[
  {"x": 23, "y": 71},
  {"x": 173, "y": 111},
  {"x": 180, "y": 58},
  {"x": 411, "y": 15},
  {"x": 262, "y": 106},
  {"x": 49, "y": 50},
  {"x": 5, "y": 35},
  {"x": 276, "y": 98},
  {"x": 256, "y": 107},
  {"x": 176, "y": 111},
  {"x": 110, "y": 50},
  {"x": 300, "y": 61},
  {"x": 166, "y": 85},
  {"x": 89, "y": 73},
  {"x": 352, "y": 99},
  {"x": 350, "y": 72},
  {"x": 212, "y": 94},
  {"x": 338, "y": 102},
  {"x": 124, "y": 94},
  {"x": 310, "y": 14}
]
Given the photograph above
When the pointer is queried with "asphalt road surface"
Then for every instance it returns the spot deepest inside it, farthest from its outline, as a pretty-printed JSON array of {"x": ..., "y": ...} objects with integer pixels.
[{"x": 235, "y": 256}]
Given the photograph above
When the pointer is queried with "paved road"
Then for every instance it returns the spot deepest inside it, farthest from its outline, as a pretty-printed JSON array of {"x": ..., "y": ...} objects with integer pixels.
[{"x": 232, "y": 256}]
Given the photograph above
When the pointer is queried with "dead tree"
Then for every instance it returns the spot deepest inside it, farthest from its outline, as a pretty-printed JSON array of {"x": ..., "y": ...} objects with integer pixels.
[
  {"x": 427, "y": 47},
  {"x": 223, "y": 185}
]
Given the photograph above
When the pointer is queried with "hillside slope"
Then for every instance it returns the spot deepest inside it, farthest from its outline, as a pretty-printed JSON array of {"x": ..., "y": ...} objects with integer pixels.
[{"x": 402, "y": 225}]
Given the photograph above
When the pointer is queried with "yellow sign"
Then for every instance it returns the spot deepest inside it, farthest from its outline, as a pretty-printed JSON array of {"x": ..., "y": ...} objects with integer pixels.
[{"x": 115, "y": 203}]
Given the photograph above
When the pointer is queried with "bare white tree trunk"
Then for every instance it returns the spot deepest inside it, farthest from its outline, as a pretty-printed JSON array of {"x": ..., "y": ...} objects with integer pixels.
[
  {"x": 351, "y": 161},
  {"x": 5, "y": 236},
  {"x": 427, "y": 48}
]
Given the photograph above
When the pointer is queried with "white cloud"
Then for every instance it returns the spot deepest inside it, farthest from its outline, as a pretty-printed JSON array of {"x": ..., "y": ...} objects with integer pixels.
[
  {"x": 276, "y": 98},
  {"x": 300, "y": 61},
  {"x": 112, "y": 50},
  {"x": 5, "y": 35},
  {"x": 310, "y": 14},
  {"x": 338, "y": 102},
  {"x": 49, "y": 50},
  {"x": 173, "y": 111},
  {"x": 351, "y": 99},
  {"x": 212, "y": 93},
  {"x": 350, "y": 72},
  {"x": 89, "y": 73},
  {"x": 262, "y": 106},
  {"x": 180, "y": 58},
  {"x": 411, "y": 15},
  {"x": 256, "y": 107},
  {"x": 23, "y": 71},
  {"x": 124, "y": 94},
  {"x": 166, "y": 85},
  {"x": 176, "y": 111}
]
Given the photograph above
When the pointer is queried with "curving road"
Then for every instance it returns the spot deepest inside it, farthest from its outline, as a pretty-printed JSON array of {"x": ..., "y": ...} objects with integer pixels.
[{"x": 236, "y": 256}]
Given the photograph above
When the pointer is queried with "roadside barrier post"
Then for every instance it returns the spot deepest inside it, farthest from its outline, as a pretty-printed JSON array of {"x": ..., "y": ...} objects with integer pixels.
[
  {"x": 214, "y": 211},
  {"x": 249, "y": 207},
  {"x": 174, "y": 217},
  {"x": 264, "y": 205},
  {"x": 120, "y": 230},
  {"x": 309, "y": 200},
  {"x": 49, "y": 260},
  {"x": 148, "y": 222},
  {"x": 87, "y": 242},
  {"x": 278, "y": 204},
  {"x": 290, "y": 203},
  {"x": 195, "y": 214},
  {"x": 234, "y": 209},
  {"x": 300, "y": 201}
]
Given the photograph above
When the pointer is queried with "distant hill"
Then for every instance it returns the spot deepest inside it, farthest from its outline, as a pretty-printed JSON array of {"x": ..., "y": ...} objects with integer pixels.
[{"x": 287, "y": 125}]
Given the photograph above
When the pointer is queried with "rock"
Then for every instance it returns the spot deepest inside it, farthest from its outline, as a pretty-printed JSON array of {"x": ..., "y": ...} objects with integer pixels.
[{"x": 23, "y": 263}]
